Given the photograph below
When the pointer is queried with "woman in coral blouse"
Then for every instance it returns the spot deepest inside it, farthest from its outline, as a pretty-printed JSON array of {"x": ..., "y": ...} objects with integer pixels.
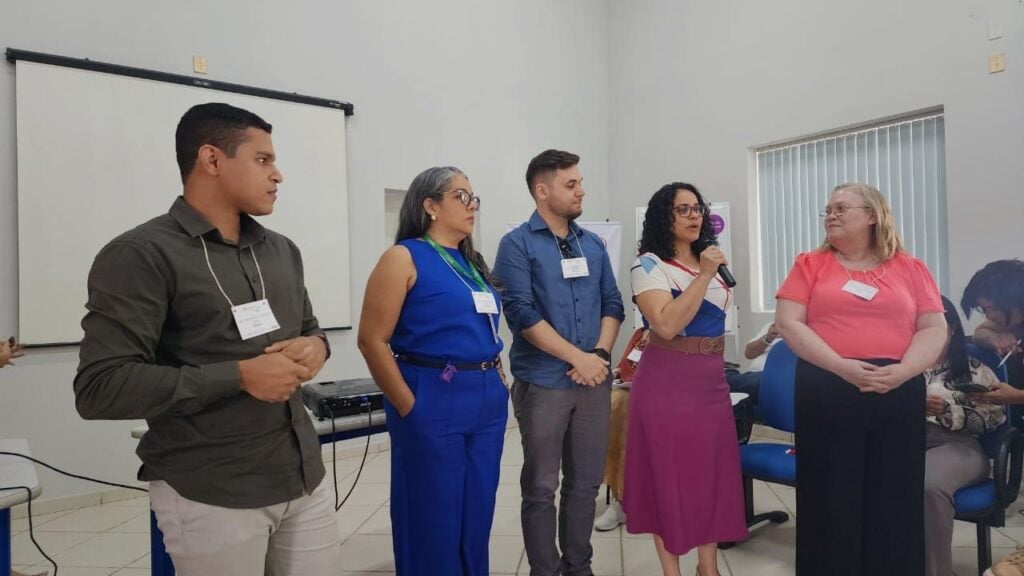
[{"x": 866, "y": 320}]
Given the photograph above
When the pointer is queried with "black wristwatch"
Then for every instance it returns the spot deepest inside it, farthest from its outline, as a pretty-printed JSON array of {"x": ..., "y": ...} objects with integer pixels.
[
  {"x": 327, "y": 343},
  {"x": 602, "y": 354}
]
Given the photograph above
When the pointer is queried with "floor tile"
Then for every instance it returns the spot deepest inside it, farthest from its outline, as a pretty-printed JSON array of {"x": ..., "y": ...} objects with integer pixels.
[
  {"x": 106, "y": 550},
  {"x": 94, "y": 519},
  {"x": 506, "y": 553},
  {"x": 24, "y": 553},
  {"x": 73, "y": 570},
  {"x": 367, "y": 553},
  {"x": 21, "y": 524}
]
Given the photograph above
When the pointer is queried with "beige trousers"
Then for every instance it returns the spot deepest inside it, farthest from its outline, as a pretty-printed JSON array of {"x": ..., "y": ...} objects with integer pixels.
[{"x": 295, "y": 538}]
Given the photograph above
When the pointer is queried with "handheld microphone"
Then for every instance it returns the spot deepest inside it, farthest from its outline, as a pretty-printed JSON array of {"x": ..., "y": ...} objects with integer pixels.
[{"x": 702, "y": 244}]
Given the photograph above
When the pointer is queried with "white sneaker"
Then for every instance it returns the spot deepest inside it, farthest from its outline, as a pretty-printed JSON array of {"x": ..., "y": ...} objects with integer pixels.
[{"x": 611, "y": 519}]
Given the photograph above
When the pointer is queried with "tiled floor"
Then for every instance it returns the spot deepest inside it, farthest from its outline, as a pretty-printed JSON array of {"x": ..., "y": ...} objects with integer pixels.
[{"x": 114, "y": 538}]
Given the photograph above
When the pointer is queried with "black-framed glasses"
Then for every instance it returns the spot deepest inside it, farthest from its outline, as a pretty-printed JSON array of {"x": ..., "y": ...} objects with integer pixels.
[
  {"x": 565, "y": 247},
  {"x": 839, "y": 211},
  {"x": 685, "y": 210},
  {"x": 468, "y": 200}
]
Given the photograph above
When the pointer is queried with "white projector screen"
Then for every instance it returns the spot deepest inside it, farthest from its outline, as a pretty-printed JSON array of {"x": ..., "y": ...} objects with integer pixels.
[{"x": 96, "y": 158}]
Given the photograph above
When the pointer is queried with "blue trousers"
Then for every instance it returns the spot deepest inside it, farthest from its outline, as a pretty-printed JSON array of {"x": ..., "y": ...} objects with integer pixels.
[{"x": 445, "y": 461}]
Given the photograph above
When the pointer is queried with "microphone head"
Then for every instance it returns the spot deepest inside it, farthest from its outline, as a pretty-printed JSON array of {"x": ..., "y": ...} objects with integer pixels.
[{"x": 703, "y": 243}]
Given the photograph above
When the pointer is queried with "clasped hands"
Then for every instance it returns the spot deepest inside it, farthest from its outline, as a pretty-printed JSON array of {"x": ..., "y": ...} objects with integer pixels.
[
  {"x": 588, "y": 369},
  {"x": 870, "y": 378},
  {"x": 282, "y": 368}
]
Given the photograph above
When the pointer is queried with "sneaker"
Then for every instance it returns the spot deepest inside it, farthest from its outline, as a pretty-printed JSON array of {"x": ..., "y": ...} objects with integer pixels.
[
  {"x": 1012, "y": 565},
  {"x": 612, "y": 518}
]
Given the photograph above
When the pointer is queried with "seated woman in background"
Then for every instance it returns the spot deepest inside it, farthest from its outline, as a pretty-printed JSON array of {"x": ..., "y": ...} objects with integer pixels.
[
  {"x": 953, "y": 457},
  {"x": 998, "y": 291}
]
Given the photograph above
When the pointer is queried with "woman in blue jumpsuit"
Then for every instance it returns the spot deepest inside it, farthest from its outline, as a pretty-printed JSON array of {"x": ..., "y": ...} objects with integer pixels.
[{"x": 429, "y": 334}]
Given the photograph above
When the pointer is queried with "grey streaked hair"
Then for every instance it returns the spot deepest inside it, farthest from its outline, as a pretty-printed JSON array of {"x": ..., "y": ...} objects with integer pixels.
[{"x": 413, "y": 220}]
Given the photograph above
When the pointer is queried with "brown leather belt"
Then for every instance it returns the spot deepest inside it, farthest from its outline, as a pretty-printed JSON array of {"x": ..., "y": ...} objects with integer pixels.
[{"x": 690, "y": 344}]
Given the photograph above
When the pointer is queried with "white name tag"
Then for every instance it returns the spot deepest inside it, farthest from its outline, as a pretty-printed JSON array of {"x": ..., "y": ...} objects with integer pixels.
[
  {"x": 635, "y": 355},
  {"x": 575, "y": 268},
  {"x": 485, "y": 303},
  {"x": 254, "y": 319},
  {"x": 860, "y": 289}
]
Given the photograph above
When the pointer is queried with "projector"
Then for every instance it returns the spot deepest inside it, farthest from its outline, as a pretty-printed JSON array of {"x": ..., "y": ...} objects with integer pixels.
[{"x": 342, "y": 397}]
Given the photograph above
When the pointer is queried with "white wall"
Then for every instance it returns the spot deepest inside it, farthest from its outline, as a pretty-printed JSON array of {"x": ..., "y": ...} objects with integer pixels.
[
  {"x": 696, "y": 84},
  {"x": 480, "y": 85}
]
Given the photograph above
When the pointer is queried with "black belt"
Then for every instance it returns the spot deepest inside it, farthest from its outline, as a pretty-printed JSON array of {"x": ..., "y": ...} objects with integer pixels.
[{"x": 441, "y": 364}]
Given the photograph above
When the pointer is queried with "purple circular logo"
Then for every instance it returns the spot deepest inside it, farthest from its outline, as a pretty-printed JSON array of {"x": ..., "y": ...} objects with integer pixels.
[{"x": 718, "y": 223}]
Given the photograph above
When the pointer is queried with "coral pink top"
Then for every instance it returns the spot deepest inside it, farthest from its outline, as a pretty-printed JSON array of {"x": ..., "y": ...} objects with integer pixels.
[{"x": 851, "y": 325}]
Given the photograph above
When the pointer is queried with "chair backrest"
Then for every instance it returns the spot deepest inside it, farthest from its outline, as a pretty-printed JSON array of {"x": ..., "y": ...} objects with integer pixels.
[{"x": 776, "y": 398}]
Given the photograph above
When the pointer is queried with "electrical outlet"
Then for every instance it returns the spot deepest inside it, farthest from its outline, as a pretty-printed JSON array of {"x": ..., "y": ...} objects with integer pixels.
[
  {"x": 997, "y": 63},
  {"x": 199, "y": 64}
]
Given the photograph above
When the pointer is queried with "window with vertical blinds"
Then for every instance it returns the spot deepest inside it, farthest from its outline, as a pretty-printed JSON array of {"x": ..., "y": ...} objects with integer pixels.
[{"x": 905, "y": 159}]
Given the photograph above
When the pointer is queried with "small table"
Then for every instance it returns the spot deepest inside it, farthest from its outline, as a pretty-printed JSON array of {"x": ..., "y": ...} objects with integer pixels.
[
  {"x": 344, "y": 428},
  {"x": 14, "y": 471}
]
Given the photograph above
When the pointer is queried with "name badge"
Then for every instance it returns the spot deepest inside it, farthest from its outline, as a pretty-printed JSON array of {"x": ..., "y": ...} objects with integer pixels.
[
  {"x": 485, "y": 303},
  {"x": 634, "y": 355},
  {"x": 254, "y": 319},
  {"x": 860, "y": 290},
  {"x": 575, "y": 268}
]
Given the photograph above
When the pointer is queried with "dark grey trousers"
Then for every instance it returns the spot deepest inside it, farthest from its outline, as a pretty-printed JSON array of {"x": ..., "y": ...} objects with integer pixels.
[{"x": 565, "y": 429}]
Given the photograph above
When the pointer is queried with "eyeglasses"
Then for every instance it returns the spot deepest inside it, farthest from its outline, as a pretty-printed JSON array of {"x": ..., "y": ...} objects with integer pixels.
[
  {"x": 467, "y": 199},
  {"x": 565, "y": 248},
  {"x": 839, "y": 211},
  {"x": 684, "y": 210},
  {"x": 989, "y": 310}
]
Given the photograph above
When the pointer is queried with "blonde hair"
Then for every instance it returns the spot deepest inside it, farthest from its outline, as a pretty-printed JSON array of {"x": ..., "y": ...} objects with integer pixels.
[{"x": 885, "y": 240}]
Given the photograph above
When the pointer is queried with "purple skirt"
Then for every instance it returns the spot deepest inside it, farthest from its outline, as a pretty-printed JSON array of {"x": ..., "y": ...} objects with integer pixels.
[{"x": 682, "y": 479}]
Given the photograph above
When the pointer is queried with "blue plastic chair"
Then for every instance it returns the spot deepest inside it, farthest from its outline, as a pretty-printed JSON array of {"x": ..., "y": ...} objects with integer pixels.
[
  {"x": 770, "y": 461},
  {"x": 985, "y": 503}
]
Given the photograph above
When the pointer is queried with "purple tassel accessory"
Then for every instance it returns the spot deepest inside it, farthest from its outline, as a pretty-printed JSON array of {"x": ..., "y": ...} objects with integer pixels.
[{"x": 448, "y": 373}]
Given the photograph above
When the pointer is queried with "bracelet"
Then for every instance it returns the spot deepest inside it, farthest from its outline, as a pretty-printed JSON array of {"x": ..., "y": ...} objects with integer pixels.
[
  {"x": 766, "y": 340},
  {"x": 327, "y": 343}
]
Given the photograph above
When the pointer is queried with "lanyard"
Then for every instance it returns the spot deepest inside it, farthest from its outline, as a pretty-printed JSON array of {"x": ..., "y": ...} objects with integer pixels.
[
  {"x": 676, "y": 264},
  {"x": 459, "y": 272},
  {"x": 870, "y": 274},
  {"x": 559, "y": 248},
  {"x": 456, "y": 267},
  {"x": 212, "y": 273}
]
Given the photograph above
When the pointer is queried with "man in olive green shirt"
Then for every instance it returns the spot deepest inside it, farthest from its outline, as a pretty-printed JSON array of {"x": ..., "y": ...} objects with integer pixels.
[{"x": 199, "y": 322}]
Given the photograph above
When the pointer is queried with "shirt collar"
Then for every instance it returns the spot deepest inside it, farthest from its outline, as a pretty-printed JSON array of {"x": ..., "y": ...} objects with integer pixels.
[
  {"x": 195, "y": 224},
  {"x": 537, "y": 223}
]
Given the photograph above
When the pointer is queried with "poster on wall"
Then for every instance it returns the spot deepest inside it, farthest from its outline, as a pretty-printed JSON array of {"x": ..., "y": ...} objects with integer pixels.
[
  {"x": 609, "y": 232},
  {"x": 723, "y": 228}
]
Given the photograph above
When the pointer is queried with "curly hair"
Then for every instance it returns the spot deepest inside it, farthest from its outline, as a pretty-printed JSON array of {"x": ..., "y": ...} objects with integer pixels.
[{"x": 657, "y": 236}]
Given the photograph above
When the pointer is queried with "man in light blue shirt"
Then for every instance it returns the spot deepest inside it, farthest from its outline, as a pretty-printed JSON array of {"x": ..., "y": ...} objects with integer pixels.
[{"x": 564, "y": 309}]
